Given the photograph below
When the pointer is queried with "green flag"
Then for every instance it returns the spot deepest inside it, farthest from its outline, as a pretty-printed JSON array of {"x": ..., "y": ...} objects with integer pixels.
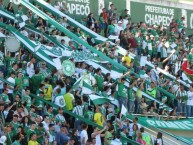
[
  {"x": 98, "y": 100},
  {"x": 87, "y": 89}
]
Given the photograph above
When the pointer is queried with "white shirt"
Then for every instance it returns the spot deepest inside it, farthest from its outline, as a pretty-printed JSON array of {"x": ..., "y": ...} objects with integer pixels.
[
  {"x": 84, "y": 135},
  {"x": 25, "y": 33},
  {"x": 159, "y": 141},
  {"x": 30, "y": 69},
  {"x": 54, "y": 93},
  {"x": 125, "y": 22},
  {"x": 78, "y": 71},
  {"x": 59, "y": 100},
  {"x": 11, "y": 80},
  {"x": 159, "y": 47},
  {"x": 98, "y": 139},
  {"x": 1, "y": 85},
  {"x": 118, "y": 29},
  {"x": 46, "y": 126},
  {"x": 116, "y": 142},
  {"x": 57, "y": 7},
  {"x": 60, "y": 117},
  {"x": 190, "y": 98}
]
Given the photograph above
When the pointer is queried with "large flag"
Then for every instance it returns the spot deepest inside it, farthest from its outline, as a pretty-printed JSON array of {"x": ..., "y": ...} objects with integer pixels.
[
  {"x": 77, "y": 83},
  {"x": 87, "y": 89},
  {"x": 123, "y": 110},
  {"x": 98, "y": 100}
]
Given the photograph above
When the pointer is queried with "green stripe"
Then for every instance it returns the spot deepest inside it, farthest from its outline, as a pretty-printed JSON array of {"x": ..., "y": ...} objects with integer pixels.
[
  {"x": 100, "y": 101},
  {"x": 45, "y": 35},
  {"x": 87, "y": 86}
]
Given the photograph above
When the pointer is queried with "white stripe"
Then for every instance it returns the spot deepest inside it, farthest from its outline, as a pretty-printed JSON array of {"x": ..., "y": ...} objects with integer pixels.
[
  {"x": 7, "y": 15},
  {"x": 32, "y": 49},
  {"x": 46, "y": 59},
  {"x": 29, "y": 6}
]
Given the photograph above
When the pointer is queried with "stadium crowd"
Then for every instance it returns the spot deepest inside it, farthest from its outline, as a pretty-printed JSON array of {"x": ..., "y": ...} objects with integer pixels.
[{"x": 26, "y": 120}]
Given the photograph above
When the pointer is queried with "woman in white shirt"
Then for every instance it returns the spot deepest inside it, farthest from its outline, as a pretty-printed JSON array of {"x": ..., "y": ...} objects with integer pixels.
[
  {"x": 159, "y": 140},
  {"x": 97, "y": 134},
  {"x": 84, "y": 134}
]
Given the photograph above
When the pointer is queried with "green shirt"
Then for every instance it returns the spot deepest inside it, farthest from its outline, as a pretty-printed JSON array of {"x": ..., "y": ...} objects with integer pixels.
[
  {"x": 51, "y": 115},
  {"x": 28, "y": 101},
  {"x": 130, "y": 94},
  {"x": 39, "y": 132},
  {"x": 36, "y": 81},
  {"x": 111, "y": 29},
  {"x": 146, "y": 138},
  {"x": 109, "y": 137},
  {"x": 143, "y": 30},
  {"x": 154, "y": 48},
  {"x": 172, "y": 36},
  {"x": 85, "y": 107},
  {"x": 20, "y": 12},
  {"x": 139, "y": 42},
  {"x": 10, "y": 137},
  {"x": 38, "y": 103},
  {"x": 15, "y": 125},
  {"x": 180, "y": 24},
  {"x": 18, "y": 82},
  {"x": 10, "y": 69},
  {"x": 89, "y": 115},
  {"x": 16, "y": 143},
  {"x": 154, "y": 32},
  {"x": 10, "y": 61},
  {"x": 99, "y": 80},
  {"x": 122, "y": 91},
  {"x": 69, "y": 98},
  {"x": 29, "y": 132},
  {"x": 101, "y": 20},
  {"x": 124, "y": 142},
  {"x": 190, "y": 57},
  {"x": 5, "y": 98},
  {"x": 152, "y": 92}
]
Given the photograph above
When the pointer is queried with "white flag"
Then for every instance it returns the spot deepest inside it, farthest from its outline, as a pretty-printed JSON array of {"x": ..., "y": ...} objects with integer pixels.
[{"x": 123, "y": 110}]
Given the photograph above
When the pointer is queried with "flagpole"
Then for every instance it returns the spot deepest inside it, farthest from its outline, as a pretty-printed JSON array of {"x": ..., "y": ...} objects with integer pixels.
[{"x": 168, "y": 57}]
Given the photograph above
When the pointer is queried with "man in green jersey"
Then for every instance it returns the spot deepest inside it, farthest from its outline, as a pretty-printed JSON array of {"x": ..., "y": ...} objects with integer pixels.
[
  {"x": 15, "y": 123},
  {"x": 14, "y": 68},
  {"x": 99, "y": 79},
  {"x": 131, "y": 96},
  {"x": 40, "y": 132},
  {"x": 31, "y": 130},
  {"x": 36, "y": 80},
  {"x": 123, "y": 134},
  {"x": 17, "y": 138},
  {"x": 122, "y": 91},
  {"x": 27, "y": 99},
  {"x": 4, "y": 97}
]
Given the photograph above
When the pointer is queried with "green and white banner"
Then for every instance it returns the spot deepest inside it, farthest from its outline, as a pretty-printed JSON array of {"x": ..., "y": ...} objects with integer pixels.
[{"x": 184, "y": 124}]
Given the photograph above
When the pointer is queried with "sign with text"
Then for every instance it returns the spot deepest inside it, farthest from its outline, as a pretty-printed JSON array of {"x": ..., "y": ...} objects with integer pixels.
[{"x": 160, "y": 15}]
